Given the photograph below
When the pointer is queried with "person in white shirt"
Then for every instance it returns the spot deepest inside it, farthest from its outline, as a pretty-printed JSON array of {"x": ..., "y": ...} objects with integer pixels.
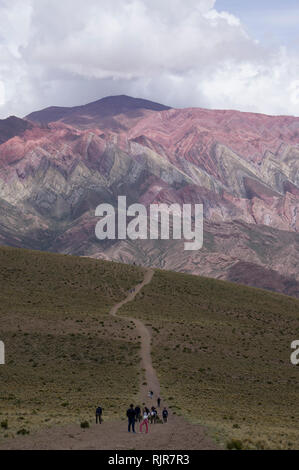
[{"x": 145, "y": 420}]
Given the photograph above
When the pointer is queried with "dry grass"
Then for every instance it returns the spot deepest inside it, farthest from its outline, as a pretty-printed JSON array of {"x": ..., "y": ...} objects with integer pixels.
[
  {"x": 64, "y": 354},
  {"x": 222, "y": 353}
]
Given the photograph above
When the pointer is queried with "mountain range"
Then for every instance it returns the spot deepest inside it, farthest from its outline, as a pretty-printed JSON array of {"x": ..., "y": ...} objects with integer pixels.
[{"x": 58, "y": 164}]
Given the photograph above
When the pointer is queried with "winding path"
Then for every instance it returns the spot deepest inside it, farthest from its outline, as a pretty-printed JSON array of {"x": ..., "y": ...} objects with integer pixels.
[{"x": 145, "y": 335}]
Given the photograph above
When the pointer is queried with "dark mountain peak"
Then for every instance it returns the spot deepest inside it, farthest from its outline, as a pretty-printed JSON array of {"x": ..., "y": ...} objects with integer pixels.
[
  {"x": 125, "y": 103},
  {"x": 11, "y": 127},
  {"x": 104, "y": 108}
]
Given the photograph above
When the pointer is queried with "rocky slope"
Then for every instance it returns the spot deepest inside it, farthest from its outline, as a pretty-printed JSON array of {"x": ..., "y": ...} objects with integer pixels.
[{"x": 58, "y": 164}]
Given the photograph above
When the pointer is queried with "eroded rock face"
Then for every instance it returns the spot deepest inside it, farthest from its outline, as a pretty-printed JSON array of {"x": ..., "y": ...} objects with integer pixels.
[{"x": 56, "y": 168}]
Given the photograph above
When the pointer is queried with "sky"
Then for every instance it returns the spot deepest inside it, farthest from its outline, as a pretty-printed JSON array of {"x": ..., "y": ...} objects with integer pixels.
[
  {"x": 220, "y": 54},
  {"x": 270, "y": 21}
]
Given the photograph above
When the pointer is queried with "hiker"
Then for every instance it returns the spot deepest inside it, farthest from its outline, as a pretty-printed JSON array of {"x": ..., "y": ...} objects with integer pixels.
[
  {"x": 138, "y": 413},
  {"x": 131, "y": 418},
  {"x": 153, "y": 415},
  {"x": 99, "y": 412},
  {"x": 145, "y": 419},
  {"x": 150, "y": 394},
  {"x": 165, "y": 415},
  {"x": 159, "y": 402}
]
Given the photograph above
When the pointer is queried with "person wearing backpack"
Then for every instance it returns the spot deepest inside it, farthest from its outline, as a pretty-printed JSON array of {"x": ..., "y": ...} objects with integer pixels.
[
  {"x": 145, "y": 420},
  {"x": 131, "y": 418},
  {"x": 165, "y": 415},
  {"x": 99, "y": 412}
]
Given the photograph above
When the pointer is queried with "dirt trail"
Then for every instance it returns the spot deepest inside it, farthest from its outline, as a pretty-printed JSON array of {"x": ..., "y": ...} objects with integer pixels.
[
  {"x": 176, "y": 434},
  {"x": 145, "y": 335}
]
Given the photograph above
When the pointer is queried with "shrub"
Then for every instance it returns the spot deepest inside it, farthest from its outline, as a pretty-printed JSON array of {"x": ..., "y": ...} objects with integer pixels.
[
  {"x": 234, "y": 444},
  {"x": 23, "y": 432},
  {"x": 84, "y": 424}
]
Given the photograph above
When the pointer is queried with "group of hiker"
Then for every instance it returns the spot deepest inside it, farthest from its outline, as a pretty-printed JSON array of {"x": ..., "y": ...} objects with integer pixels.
[
  {"x": 147, "y": 416},
  {"x": 134, "y": 414}
]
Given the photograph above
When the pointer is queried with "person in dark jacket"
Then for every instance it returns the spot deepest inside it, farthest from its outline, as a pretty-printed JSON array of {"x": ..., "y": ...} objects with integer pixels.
[
  {"x": 138, "y": 413},
  {"x": 158, "y": 402},
  {"x": 131, "y": 418},
  {"x": 165, "y": 415},
  {"x": 154, "y": 415},
  {"x": 99, "y": 412}
]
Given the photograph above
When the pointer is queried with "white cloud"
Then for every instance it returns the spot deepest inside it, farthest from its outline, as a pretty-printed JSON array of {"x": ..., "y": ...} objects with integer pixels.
[
  {"x": 2, "y": 94},
  {"x": 182, "y": 53}
]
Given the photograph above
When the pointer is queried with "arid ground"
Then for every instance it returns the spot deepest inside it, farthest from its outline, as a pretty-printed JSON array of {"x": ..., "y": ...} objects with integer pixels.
[{"x": 76, "y": 336}]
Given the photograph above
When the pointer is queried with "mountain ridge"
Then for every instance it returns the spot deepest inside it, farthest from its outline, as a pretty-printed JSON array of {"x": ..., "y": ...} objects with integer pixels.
[{"x": 243, "y": 167}]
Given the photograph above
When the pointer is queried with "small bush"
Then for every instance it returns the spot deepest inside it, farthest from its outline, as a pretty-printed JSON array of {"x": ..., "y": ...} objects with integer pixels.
[
  {"x": 4, "y": 424},
  {"x": 234, "y": 444},
  {"x": 23, "y": 432},
  {"x": 84, "y": 424}
]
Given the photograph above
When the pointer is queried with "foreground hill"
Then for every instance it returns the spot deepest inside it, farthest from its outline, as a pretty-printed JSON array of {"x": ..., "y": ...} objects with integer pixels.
[
  {"x": 222, "y": 354},
  {"x": 59, "y": 164},
  {"x": 64, "y": 353},
  {"x": 221, "y": 351}
]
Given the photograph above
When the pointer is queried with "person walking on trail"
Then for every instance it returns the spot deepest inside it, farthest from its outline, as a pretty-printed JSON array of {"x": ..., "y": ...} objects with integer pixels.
[
  {"x": 131, "y": 418},
  {"x": 150, "y": 394},
  {"x": 165, "y": 415},
  {"x": 145, "y": 420},
  {"x": 153, "y": 415},
  {"x": 138, "y": 413},
  {"x": 159, "y": 402},
  {"x": 99, "y": 412}
]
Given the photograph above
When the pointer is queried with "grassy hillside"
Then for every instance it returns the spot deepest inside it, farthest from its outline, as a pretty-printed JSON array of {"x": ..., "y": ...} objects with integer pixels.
[
  {"x": 64, "y": 354},
  {"x": 222, "y": 353}
]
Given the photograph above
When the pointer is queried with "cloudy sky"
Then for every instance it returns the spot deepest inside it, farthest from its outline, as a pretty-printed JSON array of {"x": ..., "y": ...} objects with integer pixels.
[{"x": 240, "y": 54}]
